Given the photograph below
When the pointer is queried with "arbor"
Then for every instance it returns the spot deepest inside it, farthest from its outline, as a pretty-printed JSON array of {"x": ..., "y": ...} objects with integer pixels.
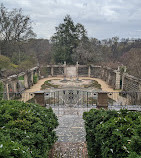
[
  {"x": 14, "y": 28},
  {"x": 66, "y": 39}
]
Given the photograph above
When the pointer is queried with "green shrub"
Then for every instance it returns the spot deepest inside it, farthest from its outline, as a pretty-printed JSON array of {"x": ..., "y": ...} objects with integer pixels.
[
  {"x": 113, "y": 134},
  {"x": 93, "y": 84},
  {"x": 26, "y": 130},
  {"x": 35, "y": 79},
  {"x": 47, "y": 84}
]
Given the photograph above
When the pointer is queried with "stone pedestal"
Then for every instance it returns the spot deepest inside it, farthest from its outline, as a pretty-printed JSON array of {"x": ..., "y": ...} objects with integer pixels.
[{"x": 102, "y": 100}]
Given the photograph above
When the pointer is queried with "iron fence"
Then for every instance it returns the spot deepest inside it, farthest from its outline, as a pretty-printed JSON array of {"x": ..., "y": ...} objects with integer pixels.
[{"x": 79, "y": 98}]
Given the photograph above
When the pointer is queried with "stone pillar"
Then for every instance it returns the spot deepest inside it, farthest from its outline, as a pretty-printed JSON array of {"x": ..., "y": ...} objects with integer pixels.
[
  {"x": 32, "y": 77},
  {"x": 15, "y": 86},
  {"x": 89, "y": 71},
  {"x": 65, "y": 69},
  {"x": 102, "y": 100},
  {"x": 52, "y": 71},
  {"x": 77, "y": 65},
  {"x": 39, "y": 74},
  {"x": 123, "y": 77},
  {"x": 7, "y": 91},
  {"x": 39, "y": 98},
  {"x": 26, "y": 81},
  {"x": 139, "y": 94},
  {"x": 117, "y": 85}
]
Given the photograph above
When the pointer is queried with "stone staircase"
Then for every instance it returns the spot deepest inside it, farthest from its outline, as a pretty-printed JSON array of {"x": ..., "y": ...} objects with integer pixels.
[{"x": 69, "y": 150}]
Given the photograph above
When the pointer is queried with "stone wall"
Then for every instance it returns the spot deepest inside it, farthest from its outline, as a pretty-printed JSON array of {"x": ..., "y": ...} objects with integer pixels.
[
  {"x": 83, "y": 71},
  {"x": 95, "y": 71},
  {"x": 58, "y": 71},
  {"x": 132, "y": 85},
  {"x": 12, "y": 84},
  {"x": 112, "y": 77}
]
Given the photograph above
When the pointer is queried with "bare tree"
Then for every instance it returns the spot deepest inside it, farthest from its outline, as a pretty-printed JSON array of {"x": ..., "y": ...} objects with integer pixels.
[
  {"x": 14, "y": 27},
  {"x": 132, "y": 60}
]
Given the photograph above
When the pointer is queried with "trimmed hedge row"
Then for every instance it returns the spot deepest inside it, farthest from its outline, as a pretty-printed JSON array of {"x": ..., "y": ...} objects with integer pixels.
[
  {"x": 113, "y": 134},
  {"x": 26, "y": 130}
]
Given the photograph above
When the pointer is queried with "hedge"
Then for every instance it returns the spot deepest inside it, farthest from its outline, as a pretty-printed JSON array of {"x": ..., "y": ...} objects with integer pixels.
[
  {"x": 26, "y": 130},
  {"x": 113, "y": 134}
]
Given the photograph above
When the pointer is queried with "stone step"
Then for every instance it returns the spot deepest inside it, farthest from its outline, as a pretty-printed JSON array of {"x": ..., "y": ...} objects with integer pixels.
[{"x": 69, "y": 150}]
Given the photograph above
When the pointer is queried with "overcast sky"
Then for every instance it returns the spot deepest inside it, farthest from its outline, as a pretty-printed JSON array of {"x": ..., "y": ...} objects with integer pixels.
[{"x": 102, "y": 18}]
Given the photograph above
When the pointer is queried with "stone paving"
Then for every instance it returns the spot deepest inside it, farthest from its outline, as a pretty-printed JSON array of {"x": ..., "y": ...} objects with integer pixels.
[{"x": 71, "y": 133}]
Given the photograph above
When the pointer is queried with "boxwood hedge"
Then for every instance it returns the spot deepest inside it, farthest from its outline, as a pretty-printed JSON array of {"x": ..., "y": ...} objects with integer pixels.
[
  {"x": 26, "y": 130},
  {"x": 113, "y": 134}
]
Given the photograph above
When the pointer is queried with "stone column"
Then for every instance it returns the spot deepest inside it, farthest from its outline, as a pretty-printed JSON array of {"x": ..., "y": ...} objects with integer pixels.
[
  {"x": 77, "y": 65},
  {"x": 89, "y": 71},
  {"x": 15, "y": 86},
  {"x": 32, "y": 77},
  {"x": 139, "y": 94},
  {"x": 7, "y": 91},
  {"x": 123, "y": 76},
  {"x": 102, "y": 101},
  {"x": 117, "y": 86},
  {"x": 39, "y": 74},
  {"x": 26, "y": 81},
  {"x": 65, "y": 69},
  {"x": 52, "y": 71}
]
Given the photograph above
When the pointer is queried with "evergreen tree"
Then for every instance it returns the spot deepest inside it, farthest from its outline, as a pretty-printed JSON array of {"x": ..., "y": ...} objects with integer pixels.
[{"x": 66, "y": 40}]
